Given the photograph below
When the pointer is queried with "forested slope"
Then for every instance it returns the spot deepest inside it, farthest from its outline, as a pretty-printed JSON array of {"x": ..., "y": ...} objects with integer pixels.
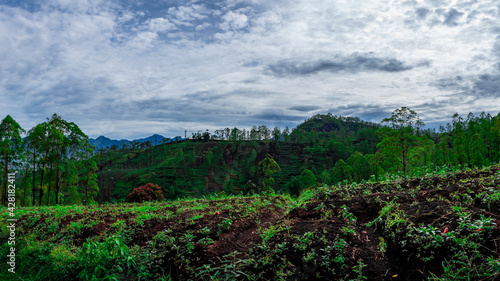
[{"x": 331, "y": 148}]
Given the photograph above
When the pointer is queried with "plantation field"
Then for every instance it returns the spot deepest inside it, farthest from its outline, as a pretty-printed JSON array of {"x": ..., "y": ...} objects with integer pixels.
[{"x": 436, "y": 227}]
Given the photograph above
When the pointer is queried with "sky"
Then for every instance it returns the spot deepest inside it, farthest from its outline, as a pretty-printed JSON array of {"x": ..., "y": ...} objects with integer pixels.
[{"x": 130, "y": 69}]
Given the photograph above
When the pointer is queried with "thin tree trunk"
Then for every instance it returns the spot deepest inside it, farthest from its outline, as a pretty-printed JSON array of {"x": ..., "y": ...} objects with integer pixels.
[
  {"x": 41, "y": 180},
  {"x": 86, "y": 189},
  {"x": 33, "y": 190},
  {"x": 26, "y": 186},
  {"x": 57, "y": 186},
  {"x": 48, "y": 191},
  {"x": 41, "y": 186},
  {"x": 5, "y": 171}
]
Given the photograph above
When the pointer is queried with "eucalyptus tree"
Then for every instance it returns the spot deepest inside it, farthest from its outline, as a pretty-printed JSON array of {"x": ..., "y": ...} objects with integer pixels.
[
  {"x": 59, "y": 143},
  {"x": 36, "y": 142},
  {"x": 11, "y": 148},
  {"x": 401, "y": 135},
  {"x": 459, "y": 140}
]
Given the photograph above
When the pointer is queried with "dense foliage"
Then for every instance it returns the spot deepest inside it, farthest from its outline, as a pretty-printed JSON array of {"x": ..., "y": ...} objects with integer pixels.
[{"x": 53, "y": 164}]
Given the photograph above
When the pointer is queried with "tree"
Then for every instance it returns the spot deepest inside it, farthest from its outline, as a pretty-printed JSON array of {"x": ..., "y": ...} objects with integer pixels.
[
  {"x": 360, "y": 166},
  {"x": 276, "y": 134},
  {"x": 58, "y": 142},
  {"x": 477, "y": 150},
  {"x": 442, "y": 152},
  {"x": 459, "y": 140},
  {"x": 264, "y": 132},
  {"x": 235, "y": 132},
  {"x": 266, "y": 169},
  {"x": 39, "y": 140},
  {"x": 11, "y": 148},
  {"x": 341, "y": 171},
  {"x": 402, "y": 134},
  {"x": 307, "y": 179},
  {"x": 496, "y": 127},
  {"x": 286, "y": 134}
]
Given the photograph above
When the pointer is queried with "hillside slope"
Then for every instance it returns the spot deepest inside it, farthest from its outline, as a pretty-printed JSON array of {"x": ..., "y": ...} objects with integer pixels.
[
  {"x": 201, "y": 166},
  {"x": 444, "y": 226}
]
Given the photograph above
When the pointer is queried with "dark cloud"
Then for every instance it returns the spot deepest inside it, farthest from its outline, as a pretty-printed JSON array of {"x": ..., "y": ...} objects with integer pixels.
[
  {"x": 354, "y": 63},
  {"x": 71, "y": 95},
  {"x": 484, "y": 85},
  {"x": 422, "y": 12},
  {"x": 451, "y": 17},
  {"x": 372, "y": 113},
  {"x": 452, "y": 83},
  {"x": 487, "y": 85},
  {"x": 304, "y": 108}
]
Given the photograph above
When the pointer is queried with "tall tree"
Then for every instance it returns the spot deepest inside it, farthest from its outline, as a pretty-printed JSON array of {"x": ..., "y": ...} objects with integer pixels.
[
  {"x": 11, "y": 148},
  {"x": 58, "y": 142},
  {"x": 35, "y": 142},
  {"x": 459, "y": 140},
  {"x": 404, "y": 125}
]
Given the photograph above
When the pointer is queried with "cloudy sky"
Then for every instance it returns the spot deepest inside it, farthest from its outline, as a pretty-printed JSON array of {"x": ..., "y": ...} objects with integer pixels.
[{"x": 128, "y": 69}]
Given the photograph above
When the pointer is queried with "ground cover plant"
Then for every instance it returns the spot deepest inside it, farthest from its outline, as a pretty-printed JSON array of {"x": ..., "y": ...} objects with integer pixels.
[{"x": 441, "y": 226}]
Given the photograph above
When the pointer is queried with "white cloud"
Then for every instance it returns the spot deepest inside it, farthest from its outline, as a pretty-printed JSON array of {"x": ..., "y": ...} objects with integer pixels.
[
  {"x": 234, "y": 21},
  {"x": 203, "y": 26},
  {"x": 160, "y": 25},
  {"x": 184, "y": 15},
  {"x": 143, "y": 67}
]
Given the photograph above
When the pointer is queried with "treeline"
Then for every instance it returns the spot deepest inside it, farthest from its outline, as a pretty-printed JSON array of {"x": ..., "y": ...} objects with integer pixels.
[
  {"x": 53, "y": 162},
  {"x": 297, "y": 135},
  {"x": 405, "y": 147}
]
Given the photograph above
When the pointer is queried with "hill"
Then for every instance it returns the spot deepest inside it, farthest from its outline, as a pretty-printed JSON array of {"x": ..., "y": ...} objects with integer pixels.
[
  {"x": 444, "y": 226},
  {"x": 201, "y": 165},
  {"x": 190, "y": 168},
  {"x": 329, "y": 122}
]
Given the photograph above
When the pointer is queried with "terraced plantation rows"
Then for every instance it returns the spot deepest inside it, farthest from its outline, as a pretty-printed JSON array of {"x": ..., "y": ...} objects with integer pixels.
[{"x": 439, "y": 227}]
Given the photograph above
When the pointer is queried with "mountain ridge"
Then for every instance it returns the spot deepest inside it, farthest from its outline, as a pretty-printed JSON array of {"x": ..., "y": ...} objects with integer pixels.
[{"x": 102, "y": 142}]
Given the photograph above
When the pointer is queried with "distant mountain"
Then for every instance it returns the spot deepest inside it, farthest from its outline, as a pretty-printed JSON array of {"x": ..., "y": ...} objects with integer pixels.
[{"x": 104, "y": 142}]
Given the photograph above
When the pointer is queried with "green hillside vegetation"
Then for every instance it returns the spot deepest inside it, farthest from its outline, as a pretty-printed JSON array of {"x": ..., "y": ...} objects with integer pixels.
[
  {"x": 441, "y": 226},
  {"x": 55, "y": 163},
  {"x": 334, "y": 148},
  {"x": 229, "y": 162}
]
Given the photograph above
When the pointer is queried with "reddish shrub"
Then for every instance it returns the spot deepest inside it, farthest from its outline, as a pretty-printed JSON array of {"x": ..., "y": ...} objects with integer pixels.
[{"x": 148, "y": 192}]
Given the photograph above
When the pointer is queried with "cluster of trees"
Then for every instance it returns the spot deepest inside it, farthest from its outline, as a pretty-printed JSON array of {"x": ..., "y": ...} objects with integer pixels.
[
  {"x": 296, "y": 135},
  {"x": 54, "y": 162},
  {"x": 235, "y": 134},
  {"x": 405, "y": 147}
]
